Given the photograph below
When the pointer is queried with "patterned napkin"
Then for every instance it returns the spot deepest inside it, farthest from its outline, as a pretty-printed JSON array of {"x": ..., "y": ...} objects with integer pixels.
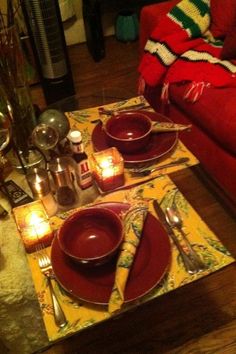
[
  {"x": 133, "y": 225},
  {"x": 158, "y": 127}
]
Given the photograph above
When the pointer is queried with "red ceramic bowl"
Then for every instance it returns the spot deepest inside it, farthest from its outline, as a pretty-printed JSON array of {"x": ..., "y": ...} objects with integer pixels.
[
  {"x": 91, "y": 236},
  {"x": 128, "y": 131}
]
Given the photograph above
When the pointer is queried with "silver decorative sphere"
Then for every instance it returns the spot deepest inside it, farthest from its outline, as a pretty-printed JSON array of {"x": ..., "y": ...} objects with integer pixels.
[{"x": 57, "y": 119}]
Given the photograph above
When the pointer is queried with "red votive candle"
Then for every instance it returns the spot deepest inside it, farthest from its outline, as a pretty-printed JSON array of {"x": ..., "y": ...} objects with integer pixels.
[{"x": 108, "y": 169}]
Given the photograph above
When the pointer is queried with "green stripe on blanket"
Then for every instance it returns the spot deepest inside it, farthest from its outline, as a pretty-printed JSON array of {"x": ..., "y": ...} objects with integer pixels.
[
  {"x": 203, "y": 6},
  {"x": 191, "y": 16}
]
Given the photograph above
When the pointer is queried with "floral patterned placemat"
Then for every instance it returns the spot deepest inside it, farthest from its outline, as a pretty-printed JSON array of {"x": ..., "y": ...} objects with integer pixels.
[
  {"x": 85, "y": 121},
  {"x": 204, "y": 241}
]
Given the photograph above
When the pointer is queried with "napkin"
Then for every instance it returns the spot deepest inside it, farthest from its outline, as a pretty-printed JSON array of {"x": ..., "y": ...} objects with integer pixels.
[
  {"x": 158, "y": 127},
  {"x": 133, "y": 225}
]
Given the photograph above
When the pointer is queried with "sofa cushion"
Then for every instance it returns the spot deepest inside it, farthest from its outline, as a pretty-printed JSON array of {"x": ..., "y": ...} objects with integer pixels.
[
  {"x": 214, "y": 112},
  {"x": 229, "y": 47},
  {"x": 215, "y": 160},
  {"x": 223, "y": 15}
]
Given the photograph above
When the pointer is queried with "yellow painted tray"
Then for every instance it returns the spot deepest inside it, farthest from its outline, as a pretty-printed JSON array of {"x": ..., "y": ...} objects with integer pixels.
[{"x": 81, "y": 314}]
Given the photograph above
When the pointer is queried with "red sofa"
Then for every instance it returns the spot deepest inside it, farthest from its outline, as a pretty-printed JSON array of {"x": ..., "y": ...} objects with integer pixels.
[{"x": 213, "y": 116}]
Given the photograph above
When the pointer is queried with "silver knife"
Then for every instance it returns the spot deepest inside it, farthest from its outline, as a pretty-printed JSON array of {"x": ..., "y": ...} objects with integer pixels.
[{"x": 189, "y": 265}]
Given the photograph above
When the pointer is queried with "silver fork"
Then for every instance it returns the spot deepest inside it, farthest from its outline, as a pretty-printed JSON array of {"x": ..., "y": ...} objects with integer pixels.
[{"x": 46, "y": 268}]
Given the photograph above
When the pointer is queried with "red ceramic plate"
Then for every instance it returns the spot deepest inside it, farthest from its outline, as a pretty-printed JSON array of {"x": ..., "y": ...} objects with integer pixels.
[
  {"x": 159, "y": 144},
  {"x": 94, "y": 284}
]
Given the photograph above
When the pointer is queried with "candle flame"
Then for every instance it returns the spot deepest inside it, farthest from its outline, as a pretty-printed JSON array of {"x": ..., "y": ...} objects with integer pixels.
[
  {"x": 38, "y": 226},
  {"x": 106, "y": 162},
  {"x": 35, "y": 219}
]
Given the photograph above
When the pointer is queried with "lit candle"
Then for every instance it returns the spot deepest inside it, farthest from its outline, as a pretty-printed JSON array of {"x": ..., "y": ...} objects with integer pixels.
[
  {"x": 33, "y": 225},
  {"x": 40, "y": 186},
  {"x": 108, "y": 169},
  {"x": 37, "y": 227}
]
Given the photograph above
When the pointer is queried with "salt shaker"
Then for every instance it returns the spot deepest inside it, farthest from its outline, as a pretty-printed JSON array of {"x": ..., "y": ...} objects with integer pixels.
[{"x": 65, "y": 191}]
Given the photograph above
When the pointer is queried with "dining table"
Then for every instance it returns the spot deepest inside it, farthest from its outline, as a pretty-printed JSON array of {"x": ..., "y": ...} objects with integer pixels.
[{"x": 166, "y": 309}]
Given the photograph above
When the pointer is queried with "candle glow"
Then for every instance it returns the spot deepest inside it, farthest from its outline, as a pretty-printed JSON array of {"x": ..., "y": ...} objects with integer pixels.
[
  {"x": 33, "y": 225},
  {"x": 38, "y": 227},
  {"x": 108, "y": 169}
]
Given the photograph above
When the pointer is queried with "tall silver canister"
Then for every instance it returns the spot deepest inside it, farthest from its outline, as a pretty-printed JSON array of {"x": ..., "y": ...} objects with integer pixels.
[{"x": 61, "y": 171}]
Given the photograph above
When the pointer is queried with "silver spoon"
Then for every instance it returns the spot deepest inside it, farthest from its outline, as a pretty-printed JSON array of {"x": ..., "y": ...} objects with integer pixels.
[{"x": 174, "y": 219}]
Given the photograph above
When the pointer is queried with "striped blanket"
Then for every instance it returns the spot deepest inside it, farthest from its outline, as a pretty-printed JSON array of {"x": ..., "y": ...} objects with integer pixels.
[{"x": 182, "y": 49}]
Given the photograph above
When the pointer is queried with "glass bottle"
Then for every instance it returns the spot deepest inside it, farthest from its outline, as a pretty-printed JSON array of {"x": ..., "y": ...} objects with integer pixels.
[{"x": 83, "y": 172}]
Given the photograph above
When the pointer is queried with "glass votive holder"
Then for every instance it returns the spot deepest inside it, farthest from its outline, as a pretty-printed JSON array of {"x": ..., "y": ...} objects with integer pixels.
[
  {"x": 39, "y": 183},
  {"x": 33, "y": 224},
  {"x": 108, "y": 169}
]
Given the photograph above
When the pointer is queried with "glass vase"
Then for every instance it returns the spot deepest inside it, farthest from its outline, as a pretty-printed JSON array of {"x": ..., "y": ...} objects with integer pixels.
[{"x": 15, "y": 90}]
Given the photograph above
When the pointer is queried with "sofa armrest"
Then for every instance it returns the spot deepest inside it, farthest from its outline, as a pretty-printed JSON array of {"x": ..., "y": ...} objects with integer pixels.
[{"x": 150, "y": 16}]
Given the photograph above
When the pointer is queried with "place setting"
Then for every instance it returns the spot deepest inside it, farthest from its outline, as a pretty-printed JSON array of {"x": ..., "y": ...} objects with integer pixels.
[
  {"x": 91, "y": 278},
  {"x": 136, "y": 261},
  {"x": 141, "y": 136},
  {"x": 146, "y": 141},
  {"x": 105, "y": 272}
]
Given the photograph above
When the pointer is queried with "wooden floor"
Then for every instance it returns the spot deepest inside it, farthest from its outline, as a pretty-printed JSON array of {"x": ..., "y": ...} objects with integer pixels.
[{"x": 117, "y": 70}]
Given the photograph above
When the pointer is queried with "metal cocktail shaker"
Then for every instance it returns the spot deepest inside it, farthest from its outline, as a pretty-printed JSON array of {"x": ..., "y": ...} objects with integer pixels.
[{"x": 61, "y": 171}]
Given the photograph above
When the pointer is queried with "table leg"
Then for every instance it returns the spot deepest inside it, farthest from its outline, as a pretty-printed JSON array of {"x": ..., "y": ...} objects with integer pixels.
[{"x": 93, "y": 28}]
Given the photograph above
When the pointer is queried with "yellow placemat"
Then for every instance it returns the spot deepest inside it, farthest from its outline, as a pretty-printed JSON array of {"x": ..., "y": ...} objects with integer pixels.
[
  {"x": 212, "y": 251},
  {"x": 84, "y": 121}
]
